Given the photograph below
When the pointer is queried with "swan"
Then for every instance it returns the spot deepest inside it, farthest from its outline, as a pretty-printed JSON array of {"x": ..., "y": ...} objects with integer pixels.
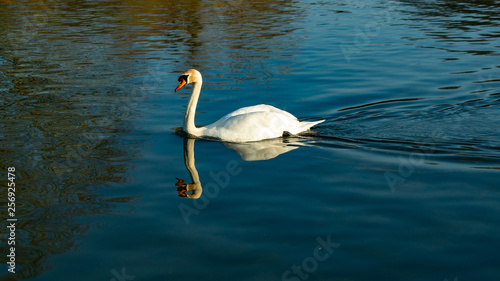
[{"x": 246, "y": 124}]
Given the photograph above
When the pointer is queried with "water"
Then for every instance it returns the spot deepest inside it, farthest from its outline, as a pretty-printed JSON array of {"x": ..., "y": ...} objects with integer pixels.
[{"x": 399, "y": 183}]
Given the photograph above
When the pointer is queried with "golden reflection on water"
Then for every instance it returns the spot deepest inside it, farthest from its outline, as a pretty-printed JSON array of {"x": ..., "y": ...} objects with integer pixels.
[{"x": 70, "y": 97}]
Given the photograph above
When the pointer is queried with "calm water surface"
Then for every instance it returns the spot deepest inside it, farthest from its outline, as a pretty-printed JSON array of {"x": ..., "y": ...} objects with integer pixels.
[{"x": 401, "y": 182}]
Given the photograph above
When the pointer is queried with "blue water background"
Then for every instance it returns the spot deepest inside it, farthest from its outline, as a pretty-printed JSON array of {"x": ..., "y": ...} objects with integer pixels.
[{"x": 402, "y": 178}]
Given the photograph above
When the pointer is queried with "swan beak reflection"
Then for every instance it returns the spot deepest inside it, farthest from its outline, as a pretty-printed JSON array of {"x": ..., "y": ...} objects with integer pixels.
[
  {"x": 189, "y": 190},
  {"x": 181, "y": 187},
  {"x": 182, "y": 82}
]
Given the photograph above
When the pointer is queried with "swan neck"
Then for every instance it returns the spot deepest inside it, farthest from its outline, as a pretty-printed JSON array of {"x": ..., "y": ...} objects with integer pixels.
[
  {"x": 195, "y": 187},
  {"x": 189, "y": 126},
  {"x": 189, "y": 160}
]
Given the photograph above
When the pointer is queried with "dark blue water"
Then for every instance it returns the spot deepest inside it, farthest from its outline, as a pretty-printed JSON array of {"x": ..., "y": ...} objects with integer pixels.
[{"x": 401, "y": 182}]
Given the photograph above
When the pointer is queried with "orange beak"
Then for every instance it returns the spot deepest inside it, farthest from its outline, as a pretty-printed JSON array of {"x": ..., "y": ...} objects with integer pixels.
[{"x": 181, "y": 84}]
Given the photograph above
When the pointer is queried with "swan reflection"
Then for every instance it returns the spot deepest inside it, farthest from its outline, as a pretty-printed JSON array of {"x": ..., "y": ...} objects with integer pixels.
[
  {"x": 252, "y": 151},
  {"x": 261, "y": 150},
  {"x": 191, "y": 190}
]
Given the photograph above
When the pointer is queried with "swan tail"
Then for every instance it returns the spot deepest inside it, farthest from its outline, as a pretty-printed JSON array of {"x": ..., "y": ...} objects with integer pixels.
[{"x": 304, "y": 126}]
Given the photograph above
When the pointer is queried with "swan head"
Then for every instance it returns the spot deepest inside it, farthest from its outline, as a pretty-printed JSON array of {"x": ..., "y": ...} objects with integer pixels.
[
  {"x": 183, "y": 189},
  {"x": 190, "y": 76}
]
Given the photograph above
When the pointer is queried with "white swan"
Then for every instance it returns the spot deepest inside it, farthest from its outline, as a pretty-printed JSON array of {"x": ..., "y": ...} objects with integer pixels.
[{"x": 246, "y": 124}]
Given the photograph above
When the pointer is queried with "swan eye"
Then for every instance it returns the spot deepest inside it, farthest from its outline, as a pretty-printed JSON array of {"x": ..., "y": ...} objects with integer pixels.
[{"x": 183, "y": 78}]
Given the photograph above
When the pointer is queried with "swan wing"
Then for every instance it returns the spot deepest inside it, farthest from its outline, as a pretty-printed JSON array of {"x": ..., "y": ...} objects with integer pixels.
[
  {"x": 249, "y": 124},
  {"x": 258, "y": 108}
]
